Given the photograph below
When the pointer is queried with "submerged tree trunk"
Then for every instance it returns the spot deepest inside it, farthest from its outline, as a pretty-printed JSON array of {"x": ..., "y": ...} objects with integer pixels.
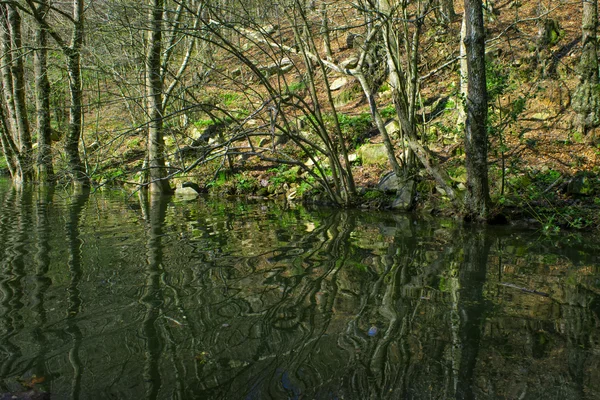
[
  {"x": 45, "y": 171},
  {"x": 156, "y": 161},
  {"x": 477, "y": 198},
  {"x": 586, "y": 100}
]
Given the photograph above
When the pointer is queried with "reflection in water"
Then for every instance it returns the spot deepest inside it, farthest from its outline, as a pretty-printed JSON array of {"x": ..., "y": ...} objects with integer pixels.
[
  {"x": 469, "y": 309},
  {"x": 74, "y": 264},
  {"x": 41, "y": 280},
  {"x": 152, "y": 295},
  {"x": 16, "y": 226},
  {"x": 248, "y": 301}
]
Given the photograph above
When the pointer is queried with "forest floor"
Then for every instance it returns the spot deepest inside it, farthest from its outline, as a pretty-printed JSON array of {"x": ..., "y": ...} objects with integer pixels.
[{"x": 543, "y": 170}]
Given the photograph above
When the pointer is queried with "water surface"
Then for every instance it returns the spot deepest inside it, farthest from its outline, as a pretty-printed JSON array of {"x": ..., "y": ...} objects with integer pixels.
[{"x": 109, "y": 296}]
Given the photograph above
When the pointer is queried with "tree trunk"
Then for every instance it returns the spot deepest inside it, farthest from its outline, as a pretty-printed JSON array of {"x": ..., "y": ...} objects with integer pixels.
[
  {"x": 586, "y": 100},
  {"x": 76, "y": 93},
  {"x": 446, "y": 11},
  {"x": 45, "y": 171},
  {"x": 464, "y": 81},
  {"x": 5, "y": 65},
  {"x": 9, "y": 148},
  {"x": 156, "y": 162},
  {"x": 477, "y": 198},
  {"x": 18, "y": 75},
  {"x": 16, "y": 141}
]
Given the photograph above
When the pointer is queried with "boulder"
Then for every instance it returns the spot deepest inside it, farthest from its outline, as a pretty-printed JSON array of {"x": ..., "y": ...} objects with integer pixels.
[
  {"x": 188, "y": 189},
  {"x": 371, "y": 154},
  {"x": 406, "y": 194},
  {"x": 580, "y": 185},
  {"x": 349, "y": 63},
  {"x": 393, "y": 127},
  {"x": 338, "y": 84},
  {"x": 389, "y": 183}
]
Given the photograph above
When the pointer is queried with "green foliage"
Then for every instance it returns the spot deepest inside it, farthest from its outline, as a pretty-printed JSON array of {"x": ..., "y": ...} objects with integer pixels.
[
  {"x": 219, "y": 181},
  {"x": 284, "y": 174},
  {"x": 384, "y": 87},
  {"x": 134, "y": 143},
  {"x": 296, "y": 87},
  {"x": 230, "y": 98},
  {"x": 306, "y": 186},
  {"x": 372, "y": 195},
  {"x": 245, "y": 184},
  {"x": 355, "y": 127},
  {"x": 497, "y": 80},
  {"x": 204, "y": 123},
  {"x": 388, "y": 111}
]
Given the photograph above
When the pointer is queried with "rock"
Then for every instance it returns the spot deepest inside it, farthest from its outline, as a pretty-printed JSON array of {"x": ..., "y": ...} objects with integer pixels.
[
  {"x": 269, "y": 29},
  {"x": 406, "y": 195},
  {"x": 236, "y": 73},
  {"x": 349, "y": 63},
  {"x": 277, "y": 68},
  {"x": 392, "y": 127},
  {"x": 338, "y": 84},
  {"x": 373, "y": 154},
  {"x": 541, "y": 116},
  {"x": 580, "y": 185},
  {"x": 188, "y": 189},
  {"x": 185, "y": 192},
  {"x": 389, "y": 183},
  {"x": 29, "y": 395},
  {"x": 352, "y": 157}
]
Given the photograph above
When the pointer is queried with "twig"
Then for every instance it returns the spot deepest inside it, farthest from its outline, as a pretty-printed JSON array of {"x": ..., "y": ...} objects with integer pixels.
[{"x": 511, "y": 285}]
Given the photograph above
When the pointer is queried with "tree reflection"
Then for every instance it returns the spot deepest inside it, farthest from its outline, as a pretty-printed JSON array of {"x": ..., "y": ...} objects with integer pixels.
[
  {"x": 468, "y": 306},
  {"x": 45, "y": 194},
  {"x": 75, "y": 207},
  {"x": 14, "y": 225},
  {"x": 152, "y": 298},
  {"x": 239, "y": 301}
]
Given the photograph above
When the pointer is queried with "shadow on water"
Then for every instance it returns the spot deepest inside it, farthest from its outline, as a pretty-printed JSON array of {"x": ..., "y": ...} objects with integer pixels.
[{"x": 233, "y": 300}]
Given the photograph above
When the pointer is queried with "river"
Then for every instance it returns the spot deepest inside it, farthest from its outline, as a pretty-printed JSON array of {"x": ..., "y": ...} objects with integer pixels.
[{"x": 113, "y": 296}]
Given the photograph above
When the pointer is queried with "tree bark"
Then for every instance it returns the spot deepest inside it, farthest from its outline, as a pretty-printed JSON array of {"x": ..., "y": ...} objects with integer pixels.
[
  {"x": 477, "y": 198},
  {"x": 586, "y": 100},
  {"x": 154, "y": 84},
  {"x": 5, "y": 65},
  {"x": 16, "y": 140},
  {"x": 45, "y": 171},
  {"x": 74, "y": 132},
  {"x": 18, "y": 76},
  {"x": 446, "y": 11},
  {"x": 464, "y": 81},
  {"x": 72, "y": 53}
]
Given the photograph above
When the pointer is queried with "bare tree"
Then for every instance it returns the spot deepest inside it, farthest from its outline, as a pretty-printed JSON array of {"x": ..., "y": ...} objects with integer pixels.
[
  {"x": 45, "y": 170},
  {"x": 477, "y": 198},
  {"x": 71, "y": 49},
  {"x": 154, "y": 86},
  {"x": 16, "y": 137}
]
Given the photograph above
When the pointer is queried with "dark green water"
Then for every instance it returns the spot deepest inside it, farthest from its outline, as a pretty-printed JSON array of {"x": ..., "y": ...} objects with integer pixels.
[{"x": 108, "y": 297}]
